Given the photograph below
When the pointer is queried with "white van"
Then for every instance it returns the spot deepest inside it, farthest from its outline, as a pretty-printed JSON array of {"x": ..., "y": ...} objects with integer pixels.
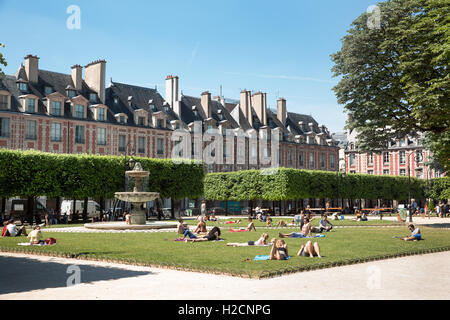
[{"x": 93, "y": 209}]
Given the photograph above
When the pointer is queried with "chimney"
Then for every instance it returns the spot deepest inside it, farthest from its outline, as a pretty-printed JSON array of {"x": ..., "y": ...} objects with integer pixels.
[
  {"x": 281, "y": 110},
  {"x": 259, "y": 103},
  {"x": 301, "y": 125},
  {"x": 76, "y": 76},
  {"x": 311, "y": 126},
  {"x": 206, "y": 103},
  {"x": 31, "y": 68},
  {"x": 171, "y": 90},
  {"x": 94, "y": 76}
]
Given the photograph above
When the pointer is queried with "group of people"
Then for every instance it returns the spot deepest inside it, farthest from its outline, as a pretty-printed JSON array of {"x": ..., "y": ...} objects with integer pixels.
[{"x": 10, "y": 229}]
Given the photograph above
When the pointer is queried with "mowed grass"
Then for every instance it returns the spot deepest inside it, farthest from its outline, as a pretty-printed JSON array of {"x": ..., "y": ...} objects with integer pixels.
[
  {"x": 315, "y": 222},
  {"x": 160, "y": 249}
]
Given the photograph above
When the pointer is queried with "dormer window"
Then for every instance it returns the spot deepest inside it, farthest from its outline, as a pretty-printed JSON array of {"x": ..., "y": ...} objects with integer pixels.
[
  {"x": 194, "y": 110},
  {"x": 141, "y": 121},
  {"x": 101, "y": 114},
  {"x": 31, "y": 105},
  {"x": 56, "y": 108},
  {"x": 159, "y": 123},
  {"x": 93, "y": 98},
  {"x": 23, "y": 86},
  {"x": 79, "y": 111},
  {"x": 71, "y": 93},
  {"x": 116, "y": 100},
  {"x": 220, "y": 115},
  {"x": 153, "y": 107},
  {"x": 48, "y": 90},
  {"x": 122, "y": 119},
  {"x": 5, "y": 100}
]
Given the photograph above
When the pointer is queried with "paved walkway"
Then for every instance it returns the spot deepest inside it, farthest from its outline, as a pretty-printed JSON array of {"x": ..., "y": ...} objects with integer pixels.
[{"x": 35, "y": 277}]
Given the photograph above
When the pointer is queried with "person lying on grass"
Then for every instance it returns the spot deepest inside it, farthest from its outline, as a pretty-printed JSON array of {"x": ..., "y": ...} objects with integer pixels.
[
  {"x": 213, "y": 234},
  {"x": 260, "y": 242},
  {"x": 233, "y": 222},
  {"x": 306, "y": 231},
  {"x": 415, "y": 234},
  {"x": 309, "y": 249},
  {"x": 250, "y": 227},
  {"x": 279, "y": 250}
]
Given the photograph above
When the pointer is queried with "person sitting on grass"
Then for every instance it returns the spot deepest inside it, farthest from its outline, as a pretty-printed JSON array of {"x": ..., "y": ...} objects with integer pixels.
[
  {"x": 201, "y": 227},
  {"x": 358, "y": 215},
  {"x": 279, "y": 250},
  {"x": 213, "y": 216},
  {"x": 260, "y": 242},
  {"x": 213, "y": 234},
  {"x": 269, "y": 221},
  {"x": 324, "y": 224},
  {"x": 415, "y": 234},
  {"x": 11, "y": 230},
  {"x": 309, "y": 249},
  {"x": 306, "y": 231},
  {"x": 251, "y": 225},
  {"x": 5, "y": 229},
  {"x": 363, "y": 217},
  {"x": 182, "y": 227},
  {"x": 35, "y": 236}
]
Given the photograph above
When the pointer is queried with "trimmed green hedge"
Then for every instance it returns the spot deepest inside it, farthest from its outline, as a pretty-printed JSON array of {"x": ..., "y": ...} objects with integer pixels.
[
  {"x": 291, "y": 184},
  {"x": 33, "y": 173},
  {"x": 439, "y": 189}
]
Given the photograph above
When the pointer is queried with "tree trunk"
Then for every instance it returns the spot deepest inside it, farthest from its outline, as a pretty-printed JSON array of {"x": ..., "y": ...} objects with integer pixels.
[
  {"x": 226, "y": 207},
  {"x": 74, "y": 212},
  {"x": 85, "y": 210},
  {"x": 58, "y": 204},
  {"x": 30, "y": 210},
  {"x": 172, "y": 208}
]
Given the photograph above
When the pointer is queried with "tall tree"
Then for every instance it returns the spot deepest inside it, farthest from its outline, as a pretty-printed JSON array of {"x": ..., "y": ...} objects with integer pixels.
[
  {"x": 395, "y": 77},
  {"x": 2, "y": 61}
]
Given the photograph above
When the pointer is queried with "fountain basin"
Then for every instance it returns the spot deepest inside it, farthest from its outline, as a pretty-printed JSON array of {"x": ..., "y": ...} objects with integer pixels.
[{"x": 137, "y": 197}]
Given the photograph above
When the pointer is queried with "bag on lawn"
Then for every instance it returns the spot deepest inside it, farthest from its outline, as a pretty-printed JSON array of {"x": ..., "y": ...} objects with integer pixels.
[{"x": 50, "y": 241}]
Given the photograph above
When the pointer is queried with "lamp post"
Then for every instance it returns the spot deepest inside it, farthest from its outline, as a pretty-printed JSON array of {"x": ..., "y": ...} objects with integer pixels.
[
  {"x": 341, "y": 168},
  {"x": 417, "y": 158}
]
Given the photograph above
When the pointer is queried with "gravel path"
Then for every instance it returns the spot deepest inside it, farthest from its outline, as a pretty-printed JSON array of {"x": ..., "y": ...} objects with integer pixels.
[{"x": 36, "y": 277}]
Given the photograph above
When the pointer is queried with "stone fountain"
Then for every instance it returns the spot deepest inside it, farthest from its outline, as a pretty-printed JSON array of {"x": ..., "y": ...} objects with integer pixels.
[
  {"x": 137, "y": 197},
  {"x": 138, "y": 219}
]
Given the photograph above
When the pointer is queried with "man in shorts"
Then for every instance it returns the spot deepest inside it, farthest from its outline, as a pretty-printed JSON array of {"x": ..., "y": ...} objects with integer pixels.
[
  {"x": 305, "y": 231},
  {"x": 415, "y": 234}
]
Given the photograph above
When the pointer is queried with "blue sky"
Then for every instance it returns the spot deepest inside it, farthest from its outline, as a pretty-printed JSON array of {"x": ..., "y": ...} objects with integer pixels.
[{"x": 282, "y": 48}]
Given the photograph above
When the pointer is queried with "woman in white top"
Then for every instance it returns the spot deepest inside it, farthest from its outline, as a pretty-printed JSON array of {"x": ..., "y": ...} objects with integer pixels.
[{"x": 260, "y": 242}]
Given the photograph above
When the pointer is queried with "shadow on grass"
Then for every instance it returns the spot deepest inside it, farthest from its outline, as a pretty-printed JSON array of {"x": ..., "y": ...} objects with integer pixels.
[{"x": 26, "y": 274}]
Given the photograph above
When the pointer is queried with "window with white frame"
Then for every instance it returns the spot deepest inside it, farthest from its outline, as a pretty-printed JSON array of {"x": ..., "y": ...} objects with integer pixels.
[
  {"x": 31, "y": 105},
  {"x": 79, "y": 111},
  {"x": 141, "y": 144},
  {"x": 403, "y": 172},
  {"x": 386, "y": 158},
  {"x": 386, "y": 172},
  {"x": 122, "y": 143},
  {"x": 402, "y": 157},
  {"x": 79, "y": 134},
  {"x": 4, "y": 127},
  {"x": 101, "y": 136},
  {"x": 301, "y": 160},
  {"x": 56, "y": 108},
  {"x": 332, "y": 161},
  {"x": 30, "y": 132},
  {"x": 311, "y": 160},
  {"x": 4, "y": 102},
  {"x": 55, "y": 132},
  {"x": 322, "y": 160},
  {"x": 101, "y": 114},
  {"x": 160, "y": 146}
]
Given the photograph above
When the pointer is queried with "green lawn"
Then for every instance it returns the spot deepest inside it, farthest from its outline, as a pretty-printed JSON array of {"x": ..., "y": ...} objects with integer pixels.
[
  {"x": 347, "y": 245},
  {"x": 315, "y": 222}
]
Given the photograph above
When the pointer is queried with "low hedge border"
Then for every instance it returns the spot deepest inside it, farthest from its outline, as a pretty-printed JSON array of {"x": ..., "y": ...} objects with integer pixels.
[{"x": 221, "y": 271}]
